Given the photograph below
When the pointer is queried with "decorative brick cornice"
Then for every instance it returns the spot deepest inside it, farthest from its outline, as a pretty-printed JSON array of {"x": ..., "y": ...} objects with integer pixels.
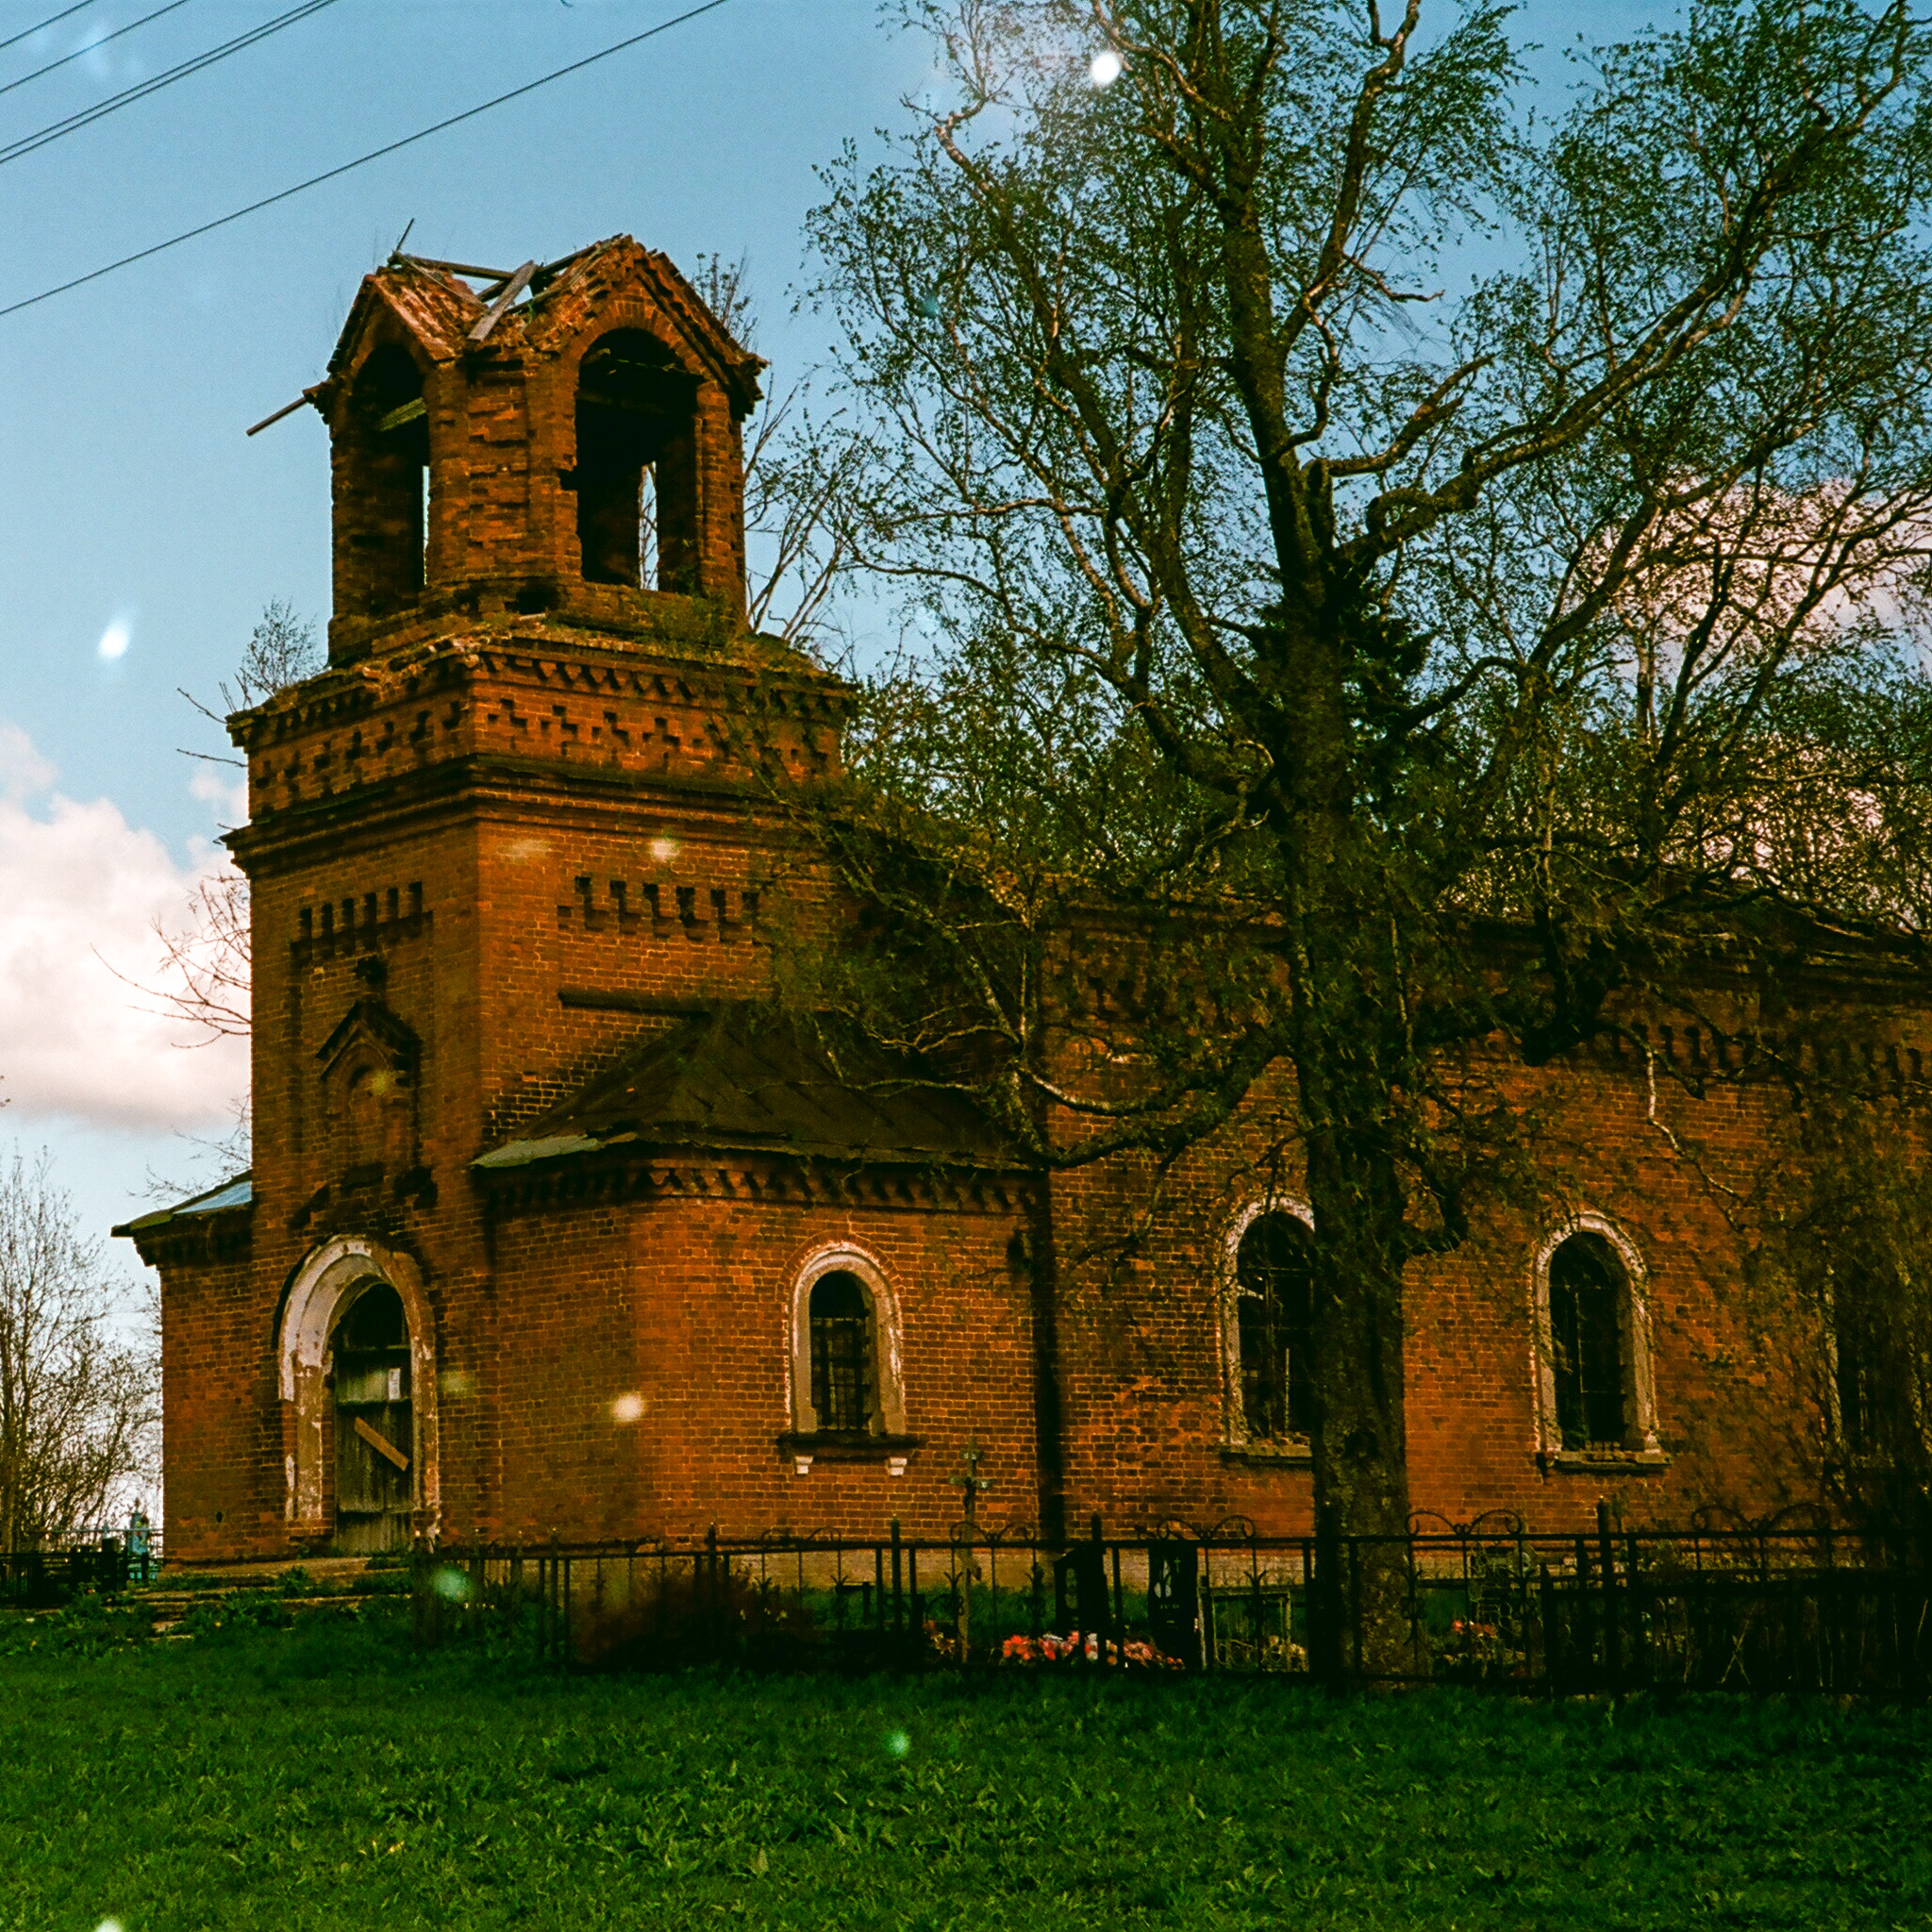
[{"x": 622, "y": 1175}]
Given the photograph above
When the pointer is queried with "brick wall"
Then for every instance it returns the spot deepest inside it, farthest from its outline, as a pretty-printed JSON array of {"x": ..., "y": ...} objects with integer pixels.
[{"x": 520, "y": 823}]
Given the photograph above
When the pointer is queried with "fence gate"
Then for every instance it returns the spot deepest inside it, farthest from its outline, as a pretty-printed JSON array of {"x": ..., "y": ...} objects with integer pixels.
[
  {"x": 374, "y": 1425},
  {"x": 1174, "y": 1600}
]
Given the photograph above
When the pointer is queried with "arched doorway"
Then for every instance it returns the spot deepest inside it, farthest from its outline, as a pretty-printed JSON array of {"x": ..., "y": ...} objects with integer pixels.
[
  {"x": 318, "y": 1316},
  {"x": 375, "y": 1474}
]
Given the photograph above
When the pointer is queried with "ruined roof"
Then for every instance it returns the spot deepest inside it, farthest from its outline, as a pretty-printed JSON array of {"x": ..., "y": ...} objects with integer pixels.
[
  {"x": 741, "y": 1078},
  {"x": 572, "y": 291},
  {"x": 438, "y": 309},
  {"x": 237, "y": 1191}
]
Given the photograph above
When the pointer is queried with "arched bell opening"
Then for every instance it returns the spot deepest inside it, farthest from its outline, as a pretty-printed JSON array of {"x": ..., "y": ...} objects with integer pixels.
[
  {"x": 374, "y": 1423},
  {"x": 636, "y": 476},
  {"x": 382, "y": 485}
]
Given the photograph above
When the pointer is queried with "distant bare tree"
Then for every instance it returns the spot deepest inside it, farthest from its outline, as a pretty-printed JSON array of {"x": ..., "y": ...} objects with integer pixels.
[
  {"x": 79, "y": 1404},
  {"x": 205, "y": 962},
  {"x": 206, "y": 1161},
  {"x": 800, "y": 478},
  {"x": 204, "y": 970}
]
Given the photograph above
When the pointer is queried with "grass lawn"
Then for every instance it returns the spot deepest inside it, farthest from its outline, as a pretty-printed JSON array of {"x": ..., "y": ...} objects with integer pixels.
[{"x": 323, "y": 1776}]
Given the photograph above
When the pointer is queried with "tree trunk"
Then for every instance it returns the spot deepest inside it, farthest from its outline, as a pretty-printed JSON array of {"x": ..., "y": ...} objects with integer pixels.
[{"x": 1360, "y": 1435}]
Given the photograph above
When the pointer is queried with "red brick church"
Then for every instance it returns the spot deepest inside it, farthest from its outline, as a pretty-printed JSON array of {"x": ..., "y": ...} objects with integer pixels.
[{"x": 550, "y": 1232}]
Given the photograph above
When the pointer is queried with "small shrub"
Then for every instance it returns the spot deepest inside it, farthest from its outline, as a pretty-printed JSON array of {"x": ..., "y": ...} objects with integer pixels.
[{"x": 676, "y": 1620}]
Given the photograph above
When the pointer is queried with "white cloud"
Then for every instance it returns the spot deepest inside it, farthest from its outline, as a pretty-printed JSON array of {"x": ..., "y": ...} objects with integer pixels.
[
  {"x": 22, "y": 770},
  {"x": 80, "y": 890},
  {"x": 228, "y": 797}
]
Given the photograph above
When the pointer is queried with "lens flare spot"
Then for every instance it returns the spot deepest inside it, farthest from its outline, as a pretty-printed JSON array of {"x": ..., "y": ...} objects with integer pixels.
[
  {"x": 898, "y": 1744},
  {"x": 115, "y": 640},
  {"x": 453, "y": 1584},
  {"x": 108, "y": 1925},
  {"x": 629, "y": 1408},
  {"x": 1105, "y": 67},
  {"x": 664, "y": 850}
]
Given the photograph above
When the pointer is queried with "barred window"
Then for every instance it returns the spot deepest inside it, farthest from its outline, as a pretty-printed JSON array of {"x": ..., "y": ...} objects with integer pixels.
[
  {"x": 1588, "y": 1297},
  {"x": 1877, "y": 1406},
  {"x": 1275, "y": 1313},
  {"x": 1851, "y": 1365},
  {"x": 844, "y": 1354}
]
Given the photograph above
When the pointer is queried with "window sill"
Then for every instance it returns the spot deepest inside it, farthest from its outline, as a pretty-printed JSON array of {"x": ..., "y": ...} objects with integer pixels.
[
  {"x": 1289, "y": 1454},
  {"x": 1583, "y": 1461},
  {"x": 893, "y": 1451}
]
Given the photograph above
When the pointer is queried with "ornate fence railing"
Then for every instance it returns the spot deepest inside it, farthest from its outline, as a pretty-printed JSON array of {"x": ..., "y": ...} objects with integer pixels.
[{"x": 1788, "y": 1607}]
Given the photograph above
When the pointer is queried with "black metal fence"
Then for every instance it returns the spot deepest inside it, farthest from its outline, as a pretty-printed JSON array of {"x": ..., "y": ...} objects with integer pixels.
[
  {"x": 75, "y": 1562},
  {"x": 1766, "y": 1609}
]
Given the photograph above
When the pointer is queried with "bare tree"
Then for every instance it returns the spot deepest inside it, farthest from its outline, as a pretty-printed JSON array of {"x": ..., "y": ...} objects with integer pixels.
[
  {"x": 205, "y": 960},
  {"x": 802, "y": 473},
  {"x": 79, "y": 1402},
  {"x": 282, "y": 650}
]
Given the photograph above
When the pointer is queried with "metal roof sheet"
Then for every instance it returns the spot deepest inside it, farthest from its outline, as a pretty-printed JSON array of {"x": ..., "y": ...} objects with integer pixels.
[
  {"x": 235, "y": 1192},
  {"x": 742, "y": 1078}
]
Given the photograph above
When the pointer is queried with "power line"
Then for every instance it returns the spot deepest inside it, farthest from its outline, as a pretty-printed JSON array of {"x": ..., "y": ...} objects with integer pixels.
[
  {"x": 85, "y": 117},
  {"x": 132, "y": 26},
  {"x": 361, "y": 160},
  {"x": 53, "y": 20}
]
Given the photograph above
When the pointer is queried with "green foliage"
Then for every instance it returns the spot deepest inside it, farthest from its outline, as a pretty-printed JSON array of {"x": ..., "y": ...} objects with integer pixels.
[
  {"x": 86, "y": 1625},
  {"x": 1840, "y": 1278},
  {"x": 1403, "y": 580},
  {"x": 320, "y": 1778},
  {"x": 1269, "y": 579}
]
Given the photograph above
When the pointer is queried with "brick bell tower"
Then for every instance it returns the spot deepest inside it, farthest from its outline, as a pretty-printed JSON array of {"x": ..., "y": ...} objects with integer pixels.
[
  {"x": 536, "y": 457},
  {"x": 512, "y": 827}
]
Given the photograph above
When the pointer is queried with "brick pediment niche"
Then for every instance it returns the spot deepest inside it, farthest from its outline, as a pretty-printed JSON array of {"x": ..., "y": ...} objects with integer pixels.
[{"x": 370, "y": 1079}]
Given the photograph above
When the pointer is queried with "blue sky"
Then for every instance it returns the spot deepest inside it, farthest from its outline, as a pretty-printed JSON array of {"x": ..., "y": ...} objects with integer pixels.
[
  {"x": 133, "y": 502},
  {"x": 135, "y": 510}
]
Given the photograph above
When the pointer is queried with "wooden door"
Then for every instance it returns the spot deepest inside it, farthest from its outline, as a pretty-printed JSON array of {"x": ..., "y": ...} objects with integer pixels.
[{"x": 375, "y": 1475}]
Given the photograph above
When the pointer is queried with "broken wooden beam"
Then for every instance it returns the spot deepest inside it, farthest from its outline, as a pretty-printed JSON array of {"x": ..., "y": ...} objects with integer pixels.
[
  {"x": 456, "y": 268},
  {"x": 381, "y": 1444},
  {"x": 403, "y": 412},
  {"x": 500, "y": 308},
  {"x": 307, "y": 396}
]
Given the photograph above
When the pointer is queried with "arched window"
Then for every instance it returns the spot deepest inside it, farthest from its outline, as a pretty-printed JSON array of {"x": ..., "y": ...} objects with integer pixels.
[
  {"x": 1274, "y": 1312},
  {"x": 350, "y": 1291},
  {"x": 844, "y": 1379},
  {"x": 1592, "y": 1353},
  {"x": 636, "y": 475},
  {"x": 1587, "y": 1295},
  {"x": 847, "y": 1396}
]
